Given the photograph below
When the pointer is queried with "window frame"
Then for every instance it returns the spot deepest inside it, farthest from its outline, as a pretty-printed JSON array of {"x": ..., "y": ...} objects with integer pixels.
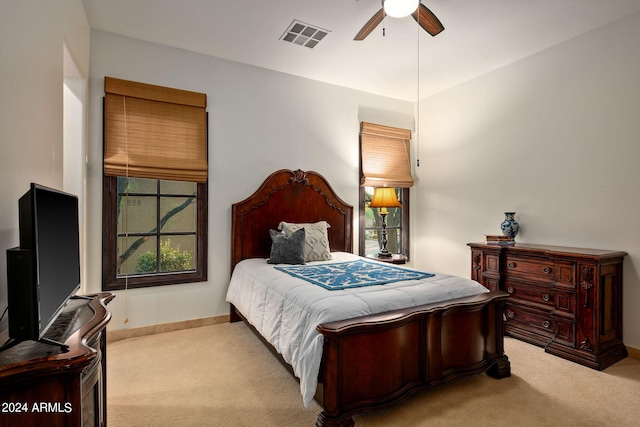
[
  {"x": 404, "y": 229},
  {"x": 110, "y": 279}
]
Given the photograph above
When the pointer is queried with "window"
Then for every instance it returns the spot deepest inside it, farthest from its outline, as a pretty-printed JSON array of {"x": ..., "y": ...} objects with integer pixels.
[
  {"x": 155, "y": 186},
  {"x": 384, "y": 162},
  {"x": 152, "y": 217}
]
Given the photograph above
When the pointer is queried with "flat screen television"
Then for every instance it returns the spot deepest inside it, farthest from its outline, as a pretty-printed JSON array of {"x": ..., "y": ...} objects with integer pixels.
[{"x": 44, "y": 271}]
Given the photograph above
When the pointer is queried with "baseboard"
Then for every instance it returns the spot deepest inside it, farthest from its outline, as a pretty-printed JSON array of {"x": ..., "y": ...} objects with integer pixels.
[
  {"x": 122, "y": 334},
  {"x": 633, "y": 353}
]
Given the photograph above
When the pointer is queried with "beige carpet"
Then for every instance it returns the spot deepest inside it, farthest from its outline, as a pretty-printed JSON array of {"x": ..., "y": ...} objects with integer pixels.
[{"x": 222, "y": 375}]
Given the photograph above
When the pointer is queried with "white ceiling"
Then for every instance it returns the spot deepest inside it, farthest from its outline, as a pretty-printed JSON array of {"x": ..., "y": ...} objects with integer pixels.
[{"x": 479, "y": 36}]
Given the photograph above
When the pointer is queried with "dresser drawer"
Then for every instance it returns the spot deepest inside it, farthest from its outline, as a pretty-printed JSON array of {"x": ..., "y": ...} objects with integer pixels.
[
  {"x": 542, "y": 297},
  {"x": 538, "y": 326},
  {"x": 542, "y": 271},
  {"x": 529, "y": 324}
]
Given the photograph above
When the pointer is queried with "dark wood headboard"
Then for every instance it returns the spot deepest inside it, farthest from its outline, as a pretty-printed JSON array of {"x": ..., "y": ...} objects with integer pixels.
[{"x": 291, "y": 196}]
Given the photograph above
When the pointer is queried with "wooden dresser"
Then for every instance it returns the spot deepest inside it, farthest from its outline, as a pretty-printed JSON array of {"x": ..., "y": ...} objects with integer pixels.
[
  {"x": 567, "y": 300},
  {"x": 40, "y": 385}
]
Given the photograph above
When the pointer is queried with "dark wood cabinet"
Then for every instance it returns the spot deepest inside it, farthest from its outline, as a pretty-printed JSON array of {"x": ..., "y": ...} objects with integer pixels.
[
  {"x": 567, "y": 300},
  {"x": 42, "y": 385}
]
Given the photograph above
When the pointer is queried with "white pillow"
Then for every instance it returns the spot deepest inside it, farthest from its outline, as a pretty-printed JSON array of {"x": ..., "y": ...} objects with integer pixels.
[{"x": 316, "y": 242}]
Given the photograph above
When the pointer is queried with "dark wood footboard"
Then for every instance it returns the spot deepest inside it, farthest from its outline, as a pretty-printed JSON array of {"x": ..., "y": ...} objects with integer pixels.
[{"x": 378, "y": 360}]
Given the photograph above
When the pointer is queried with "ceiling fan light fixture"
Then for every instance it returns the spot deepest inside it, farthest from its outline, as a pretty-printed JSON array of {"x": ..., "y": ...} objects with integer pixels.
[{"x": 400, "y": 8}]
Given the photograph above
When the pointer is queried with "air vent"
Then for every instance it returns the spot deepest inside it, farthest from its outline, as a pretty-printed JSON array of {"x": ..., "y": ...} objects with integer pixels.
[{"x": 304, "y": 34}]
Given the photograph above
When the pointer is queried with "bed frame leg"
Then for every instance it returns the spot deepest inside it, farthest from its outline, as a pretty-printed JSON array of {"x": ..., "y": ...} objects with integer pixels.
[
  {"x": 500, "y": 369},
  {"x": 233, "y": 314},
  {"x": 324, "y": 421}
]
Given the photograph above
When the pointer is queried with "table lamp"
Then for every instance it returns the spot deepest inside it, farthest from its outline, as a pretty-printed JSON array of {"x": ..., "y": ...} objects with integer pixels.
[{"x": 383, "y": 198}]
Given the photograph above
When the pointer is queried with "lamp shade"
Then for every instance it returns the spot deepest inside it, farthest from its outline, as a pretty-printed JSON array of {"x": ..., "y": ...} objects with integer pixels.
[
  {"x": 400, "y": 8},
  {"x": 384, "y": 197}
]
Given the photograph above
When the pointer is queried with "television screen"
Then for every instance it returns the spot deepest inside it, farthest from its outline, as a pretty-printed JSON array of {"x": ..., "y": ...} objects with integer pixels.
[
  {"x": 57, "y": 250},
  {"x": 44, "y": 272}
]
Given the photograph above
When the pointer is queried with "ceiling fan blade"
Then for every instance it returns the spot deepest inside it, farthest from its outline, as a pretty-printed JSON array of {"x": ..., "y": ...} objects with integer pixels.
[
  {"x": 427, "y": 20},
  {"x": 370, "y": 25}
]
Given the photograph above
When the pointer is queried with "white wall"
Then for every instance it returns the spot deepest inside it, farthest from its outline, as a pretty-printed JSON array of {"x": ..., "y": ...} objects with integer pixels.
[
  {"x": 259, "y": 121},
  {"x": 33, "y": 34},
  {"x": 74, "y": 155},
  {"x": 553, "y": 137}
]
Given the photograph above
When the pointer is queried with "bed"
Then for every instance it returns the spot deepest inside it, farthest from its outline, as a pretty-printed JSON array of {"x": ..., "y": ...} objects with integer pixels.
[{"x": 374, "y": 360}]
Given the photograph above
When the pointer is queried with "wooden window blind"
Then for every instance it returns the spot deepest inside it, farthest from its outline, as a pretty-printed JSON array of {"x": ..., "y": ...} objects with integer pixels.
[
  {"x": 154, "y": 132},
  {"x": 385, "y": 158}
]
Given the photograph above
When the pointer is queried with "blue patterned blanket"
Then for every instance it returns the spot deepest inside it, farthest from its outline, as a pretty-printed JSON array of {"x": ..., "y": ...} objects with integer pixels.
[{"x": 352, "y": 274}]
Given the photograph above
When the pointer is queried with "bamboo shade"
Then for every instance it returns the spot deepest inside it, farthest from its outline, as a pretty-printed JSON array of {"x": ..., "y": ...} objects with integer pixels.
[
  {"x": 385, "y": 159},
  {"x": 154, "y": 132}
]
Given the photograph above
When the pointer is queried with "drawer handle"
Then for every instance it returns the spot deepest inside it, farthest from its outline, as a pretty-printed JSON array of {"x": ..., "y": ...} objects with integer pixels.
[
  {"x": 512, "y": 264},
  {"x": 511, "y": 314},
  {"x": 545, "y": 297},
  {"x": 546, "y": 324},
  {"x": 547, "y": 270},
  {"x": 510, "y": 290}
]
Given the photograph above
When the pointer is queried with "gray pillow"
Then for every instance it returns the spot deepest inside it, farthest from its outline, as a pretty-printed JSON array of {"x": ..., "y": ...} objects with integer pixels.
[
  {"x": 316, "y": 246},
  {"x": 287, "y": 249}
]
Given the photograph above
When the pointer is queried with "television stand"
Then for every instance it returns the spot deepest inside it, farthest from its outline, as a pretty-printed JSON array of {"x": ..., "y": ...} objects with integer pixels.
[{"x": 42, "y": 385}]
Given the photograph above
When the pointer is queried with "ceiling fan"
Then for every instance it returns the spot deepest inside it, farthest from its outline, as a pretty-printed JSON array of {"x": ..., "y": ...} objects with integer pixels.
[{"x": 423, "y": 16}]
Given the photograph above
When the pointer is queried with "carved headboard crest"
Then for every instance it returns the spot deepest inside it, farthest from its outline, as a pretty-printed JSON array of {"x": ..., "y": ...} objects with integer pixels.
[{"x": 299, "y": 176}]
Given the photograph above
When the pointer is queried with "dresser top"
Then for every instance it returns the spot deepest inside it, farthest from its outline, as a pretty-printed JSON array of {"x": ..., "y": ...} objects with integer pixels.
[{"x": 550, "y": 249}]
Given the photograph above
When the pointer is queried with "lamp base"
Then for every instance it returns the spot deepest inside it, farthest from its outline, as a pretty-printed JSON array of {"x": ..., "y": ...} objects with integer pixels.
[{"x": 384, "y": 252}]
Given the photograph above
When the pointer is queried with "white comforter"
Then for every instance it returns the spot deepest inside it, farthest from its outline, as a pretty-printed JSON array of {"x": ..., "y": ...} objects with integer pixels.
[{"x": 286, "y": 310}]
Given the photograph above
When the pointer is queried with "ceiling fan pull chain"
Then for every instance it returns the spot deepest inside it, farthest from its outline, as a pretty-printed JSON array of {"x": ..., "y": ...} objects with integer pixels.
[{"x": 384, "y": 21}]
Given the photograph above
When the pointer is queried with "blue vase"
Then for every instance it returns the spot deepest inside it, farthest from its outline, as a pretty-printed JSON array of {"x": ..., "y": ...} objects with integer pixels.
[{"x": 510, "y": 226}]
